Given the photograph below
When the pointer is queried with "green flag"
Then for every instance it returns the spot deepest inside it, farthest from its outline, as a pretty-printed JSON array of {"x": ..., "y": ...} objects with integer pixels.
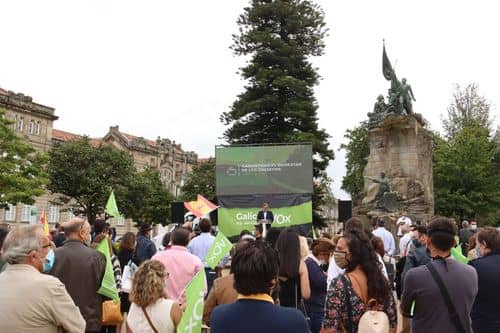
[
  {"x": 191, "y": 319},
  {"x": 108, "y": 284},
  {"x": 456, "y": 253},
  {"x": 111, "y": 207},
  {"x": 220, "y": 247}
]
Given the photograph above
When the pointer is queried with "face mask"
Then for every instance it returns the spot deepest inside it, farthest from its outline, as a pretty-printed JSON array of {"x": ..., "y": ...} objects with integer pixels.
[
  {"x": 473, "y": 227},
  {"x": 49, "y": 261},
  {"x": 322, "y": 262},
  {"x": 341, "y": 259}
]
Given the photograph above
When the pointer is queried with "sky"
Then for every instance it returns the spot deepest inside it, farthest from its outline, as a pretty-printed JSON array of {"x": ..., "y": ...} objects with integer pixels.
[{"x": 164, "y": 68}]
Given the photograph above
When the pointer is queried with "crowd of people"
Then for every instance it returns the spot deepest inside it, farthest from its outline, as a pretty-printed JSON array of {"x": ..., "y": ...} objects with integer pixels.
[{"x": 277, "y": 282}]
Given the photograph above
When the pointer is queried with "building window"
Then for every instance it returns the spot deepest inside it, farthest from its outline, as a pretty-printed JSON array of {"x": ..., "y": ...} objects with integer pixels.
[
  {"x": 10, "y": 213},
  {"x": 70, "y": 214},
  {"x": 20, "y": 124},
  {"x": 26, "y": 213},
  {"x": 31, "y": 127},
  {"x": 37, "y": 128},
  {"x": 120, "y": 221},
  {"x": 54, "y": 213}
]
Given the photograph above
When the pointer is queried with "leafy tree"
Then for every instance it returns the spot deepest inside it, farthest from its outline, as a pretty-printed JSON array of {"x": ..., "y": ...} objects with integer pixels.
[
  {"x": 468, "y": 109},
  {"x": 87, "y": 174},
  {"x": 466, "y": 183},
  {"x": 278, "y": 104},
  {"x": 22, "y": 170},
  {"x": 357, "y": 152},
  {"x": 146, "y": 200},
  {"x": 200, "y": 181}
]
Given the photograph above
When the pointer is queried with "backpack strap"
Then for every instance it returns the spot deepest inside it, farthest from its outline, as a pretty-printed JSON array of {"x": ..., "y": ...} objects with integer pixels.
[
  {"x": 446, "y": 296},
  {"x": 149, "y": 320}
]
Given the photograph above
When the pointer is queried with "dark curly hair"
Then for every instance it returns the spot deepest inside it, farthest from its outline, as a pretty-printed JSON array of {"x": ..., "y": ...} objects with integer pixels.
[{"x": 363, "y": 254}]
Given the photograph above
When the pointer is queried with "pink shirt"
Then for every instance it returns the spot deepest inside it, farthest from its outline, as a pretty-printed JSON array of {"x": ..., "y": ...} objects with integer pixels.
[{"x": 182, "y": 266}]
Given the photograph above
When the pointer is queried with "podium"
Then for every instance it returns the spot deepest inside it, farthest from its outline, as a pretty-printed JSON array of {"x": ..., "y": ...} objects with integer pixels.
[{"x": 264, "y": 223}]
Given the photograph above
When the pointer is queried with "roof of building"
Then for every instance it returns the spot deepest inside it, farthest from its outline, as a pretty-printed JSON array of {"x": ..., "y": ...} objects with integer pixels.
[{"x": 67, "y": 136}]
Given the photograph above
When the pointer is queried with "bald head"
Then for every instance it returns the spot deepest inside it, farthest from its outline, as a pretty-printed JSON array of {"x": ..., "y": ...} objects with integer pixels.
[{"x": 77, "y": 229}]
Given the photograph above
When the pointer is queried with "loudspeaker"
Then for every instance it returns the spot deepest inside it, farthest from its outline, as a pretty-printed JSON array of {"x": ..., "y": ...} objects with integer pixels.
[
  {"x": 177, "y": 212},
  {"x": 345, "y": 210}
]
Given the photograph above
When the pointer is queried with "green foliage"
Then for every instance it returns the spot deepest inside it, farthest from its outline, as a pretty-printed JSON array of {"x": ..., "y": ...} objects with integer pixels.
[
  {"x": 357, "y": 152},
  {"x": 468, "y": 109},
  {"x": 466, "y": 180},
  {"x": 146, "y": 200},
  {"x": 200, "y": 181},
  {"x": 87, "y": 175},
  {"x": 22, "y": 170},
  {"x": 278, "y": 104}
]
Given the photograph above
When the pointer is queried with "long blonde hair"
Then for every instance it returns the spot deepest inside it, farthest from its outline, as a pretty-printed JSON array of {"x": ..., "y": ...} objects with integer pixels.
[{"x": 148, "y": 283}]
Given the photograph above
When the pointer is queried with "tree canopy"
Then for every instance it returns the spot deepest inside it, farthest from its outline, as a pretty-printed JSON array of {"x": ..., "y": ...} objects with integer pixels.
[
  {"x": 278, "y": 104},
  {"x": 22, "y": 169},
  {"x": 201, "y": 181}
]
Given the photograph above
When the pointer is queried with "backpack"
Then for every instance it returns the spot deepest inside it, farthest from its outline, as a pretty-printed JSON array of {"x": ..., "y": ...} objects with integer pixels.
[{"x": 373, "y": 321}]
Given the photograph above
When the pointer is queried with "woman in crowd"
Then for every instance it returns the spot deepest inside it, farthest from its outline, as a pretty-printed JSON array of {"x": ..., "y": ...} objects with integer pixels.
[
  {"x": 349, "y": 294},
  {"x": 293, "y": 275},
  {"x": 486, "y": 308},
  {"x": 125, "y": 255},
  {"x": 321, "y": 249},
  {"x": 473, "y": 249},
  {"x": 151, "y": 311}
]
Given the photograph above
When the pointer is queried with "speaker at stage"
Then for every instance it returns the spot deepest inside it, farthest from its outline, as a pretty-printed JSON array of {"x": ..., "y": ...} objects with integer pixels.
[
  {"x": 177, "y": 212},
  {"x": 345, "y": 210}
]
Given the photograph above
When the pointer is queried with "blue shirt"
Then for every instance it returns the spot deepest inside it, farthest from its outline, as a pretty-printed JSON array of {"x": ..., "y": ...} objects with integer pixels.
[
  {"x": 200, "y": 245},
  {"x": 250, "y": 316}
]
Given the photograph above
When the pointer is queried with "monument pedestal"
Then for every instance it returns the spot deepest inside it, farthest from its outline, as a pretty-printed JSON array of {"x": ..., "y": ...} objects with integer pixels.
[{"x": 401, "y": 148}]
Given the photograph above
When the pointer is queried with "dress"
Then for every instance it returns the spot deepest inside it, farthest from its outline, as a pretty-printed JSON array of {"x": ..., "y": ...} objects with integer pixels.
[
  {"x": 336, "y": 317},
  {"x": 289, "y": 293},
  {"x": 159, "y": 313}
]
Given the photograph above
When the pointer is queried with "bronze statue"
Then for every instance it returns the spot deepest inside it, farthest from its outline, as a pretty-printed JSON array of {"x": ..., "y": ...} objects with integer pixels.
[
  {"x": 379, "y": 110},
  {"x": 406, "y": 96},
  {"x": 383, "y": 188}
]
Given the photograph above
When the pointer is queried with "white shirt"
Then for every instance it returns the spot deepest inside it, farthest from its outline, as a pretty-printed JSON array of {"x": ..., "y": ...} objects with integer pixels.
[
  {"x": 406, "y": 220},
  {"x": 159, "y": 313},
  {"x": 403, "y": 244},
  {"x": 387, "y": 239}
]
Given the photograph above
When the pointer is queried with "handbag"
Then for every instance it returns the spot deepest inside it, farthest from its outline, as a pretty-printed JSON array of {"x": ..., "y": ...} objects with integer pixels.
[
  {"x": 111, "y": 313},
  {"x": 127, "y": 276},
  {"x": 449, "y": 304}
]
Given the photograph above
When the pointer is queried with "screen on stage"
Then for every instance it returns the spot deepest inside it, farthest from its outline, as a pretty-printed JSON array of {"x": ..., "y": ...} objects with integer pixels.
[{"x": 263, "y": 169}]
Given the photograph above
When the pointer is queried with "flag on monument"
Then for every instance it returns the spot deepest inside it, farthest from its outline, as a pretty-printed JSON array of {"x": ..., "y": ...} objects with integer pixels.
[
  {"x": 202, "y": 206},
  {"x": 43, "y": 221},
  {"x": 108, "y": 284},
  {"x": 386, "y": 66},
  {"x": 191, "y": 319},
  {"x": 111, "y": 207},
  {"x": 220, "y": 247}
]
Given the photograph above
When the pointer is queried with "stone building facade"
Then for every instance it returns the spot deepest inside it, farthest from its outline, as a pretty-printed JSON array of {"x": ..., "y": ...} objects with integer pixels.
[{"x": 35, "y": 124}]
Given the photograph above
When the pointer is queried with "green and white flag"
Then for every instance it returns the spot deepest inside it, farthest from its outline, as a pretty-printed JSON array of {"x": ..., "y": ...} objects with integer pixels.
[
  {"x": 191, "y": 319},
  {"x": 108, "y": 284},
  {"x": 111, "y": 207},
  {"x": 220, "y": 247}
]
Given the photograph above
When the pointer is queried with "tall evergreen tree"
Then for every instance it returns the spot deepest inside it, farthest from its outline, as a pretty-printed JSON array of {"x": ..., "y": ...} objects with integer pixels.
[{"x": 278, "y": 104}]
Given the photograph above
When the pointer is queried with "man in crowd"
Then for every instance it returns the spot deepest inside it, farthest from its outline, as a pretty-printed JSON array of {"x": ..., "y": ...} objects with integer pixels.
[
  {"x": 181, "y": 265},
  {"x": 255, "y": 268},
  {"x": 386, "y": 236},
  {"x": 404, "y": 220},
  {"x": 81, "y": 269},
  {"x": 257, "y": 231},
  {"x": 59, "y": 237},
  {"x": 31, "y": 301},
  {"x": 417, "y": 254},
  {"x": 405, "y": 240},
  {"x": 432, "y": 314},
  {"x": 145, "y": 248},
  {"x": 200, "y": 245},
  {"x": 468, "y": 229}
]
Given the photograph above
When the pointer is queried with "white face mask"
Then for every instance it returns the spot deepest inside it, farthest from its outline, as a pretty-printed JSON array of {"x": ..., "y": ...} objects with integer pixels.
[
  {"x": 473, "y": 226},
  {"x": 322, "y": 262}
]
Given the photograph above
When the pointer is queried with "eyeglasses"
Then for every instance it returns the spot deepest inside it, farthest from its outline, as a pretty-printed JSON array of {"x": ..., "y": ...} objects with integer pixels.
[{"x": 46, "y": 246}]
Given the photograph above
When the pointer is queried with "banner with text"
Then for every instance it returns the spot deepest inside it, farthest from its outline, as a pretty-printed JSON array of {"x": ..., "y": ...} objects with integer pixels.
[{"x": 233, "y": 220}]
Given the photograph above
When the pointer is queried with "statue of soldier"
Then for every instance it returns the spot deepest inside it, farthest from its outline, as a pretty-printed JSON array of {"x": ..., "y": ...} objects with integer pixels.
[
  {"x": 383, "y": 188},
  {"x": 406, "y": 96}
]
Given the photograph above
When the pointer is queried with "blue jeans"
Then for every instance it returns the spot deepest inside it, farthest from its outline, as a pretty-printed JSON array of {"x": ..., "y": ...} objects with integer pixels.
[
  {"x": 211, "y": 275},
  {"x": 316, "y": 320}
]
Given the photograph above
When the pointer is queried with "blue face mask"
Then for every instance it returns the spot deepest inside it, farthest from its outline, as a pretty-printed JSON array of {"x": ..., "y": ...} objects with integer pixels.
[{"x": 49, "y": 261}]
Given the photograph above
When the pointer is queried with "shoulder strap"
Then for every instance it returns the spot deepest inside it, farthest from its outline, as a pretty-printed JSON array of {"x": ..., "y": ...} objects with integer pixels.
[
  {"x": 444, "y": 292},
  {"x": 149, "y": 320},
  {"x": 349, "y": 325}
]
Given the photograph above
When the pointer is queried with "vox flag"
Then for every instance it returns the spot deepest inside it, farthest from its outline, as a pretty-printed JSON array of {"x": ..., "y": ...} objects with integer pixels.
[
  {"x": 111, "y": 207},
  {"x": 220, "y": 247},
  {"x": 191, "y": 319},
  {"x": 108, "y": 284},
  {"x": 201, "y": 206}
]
